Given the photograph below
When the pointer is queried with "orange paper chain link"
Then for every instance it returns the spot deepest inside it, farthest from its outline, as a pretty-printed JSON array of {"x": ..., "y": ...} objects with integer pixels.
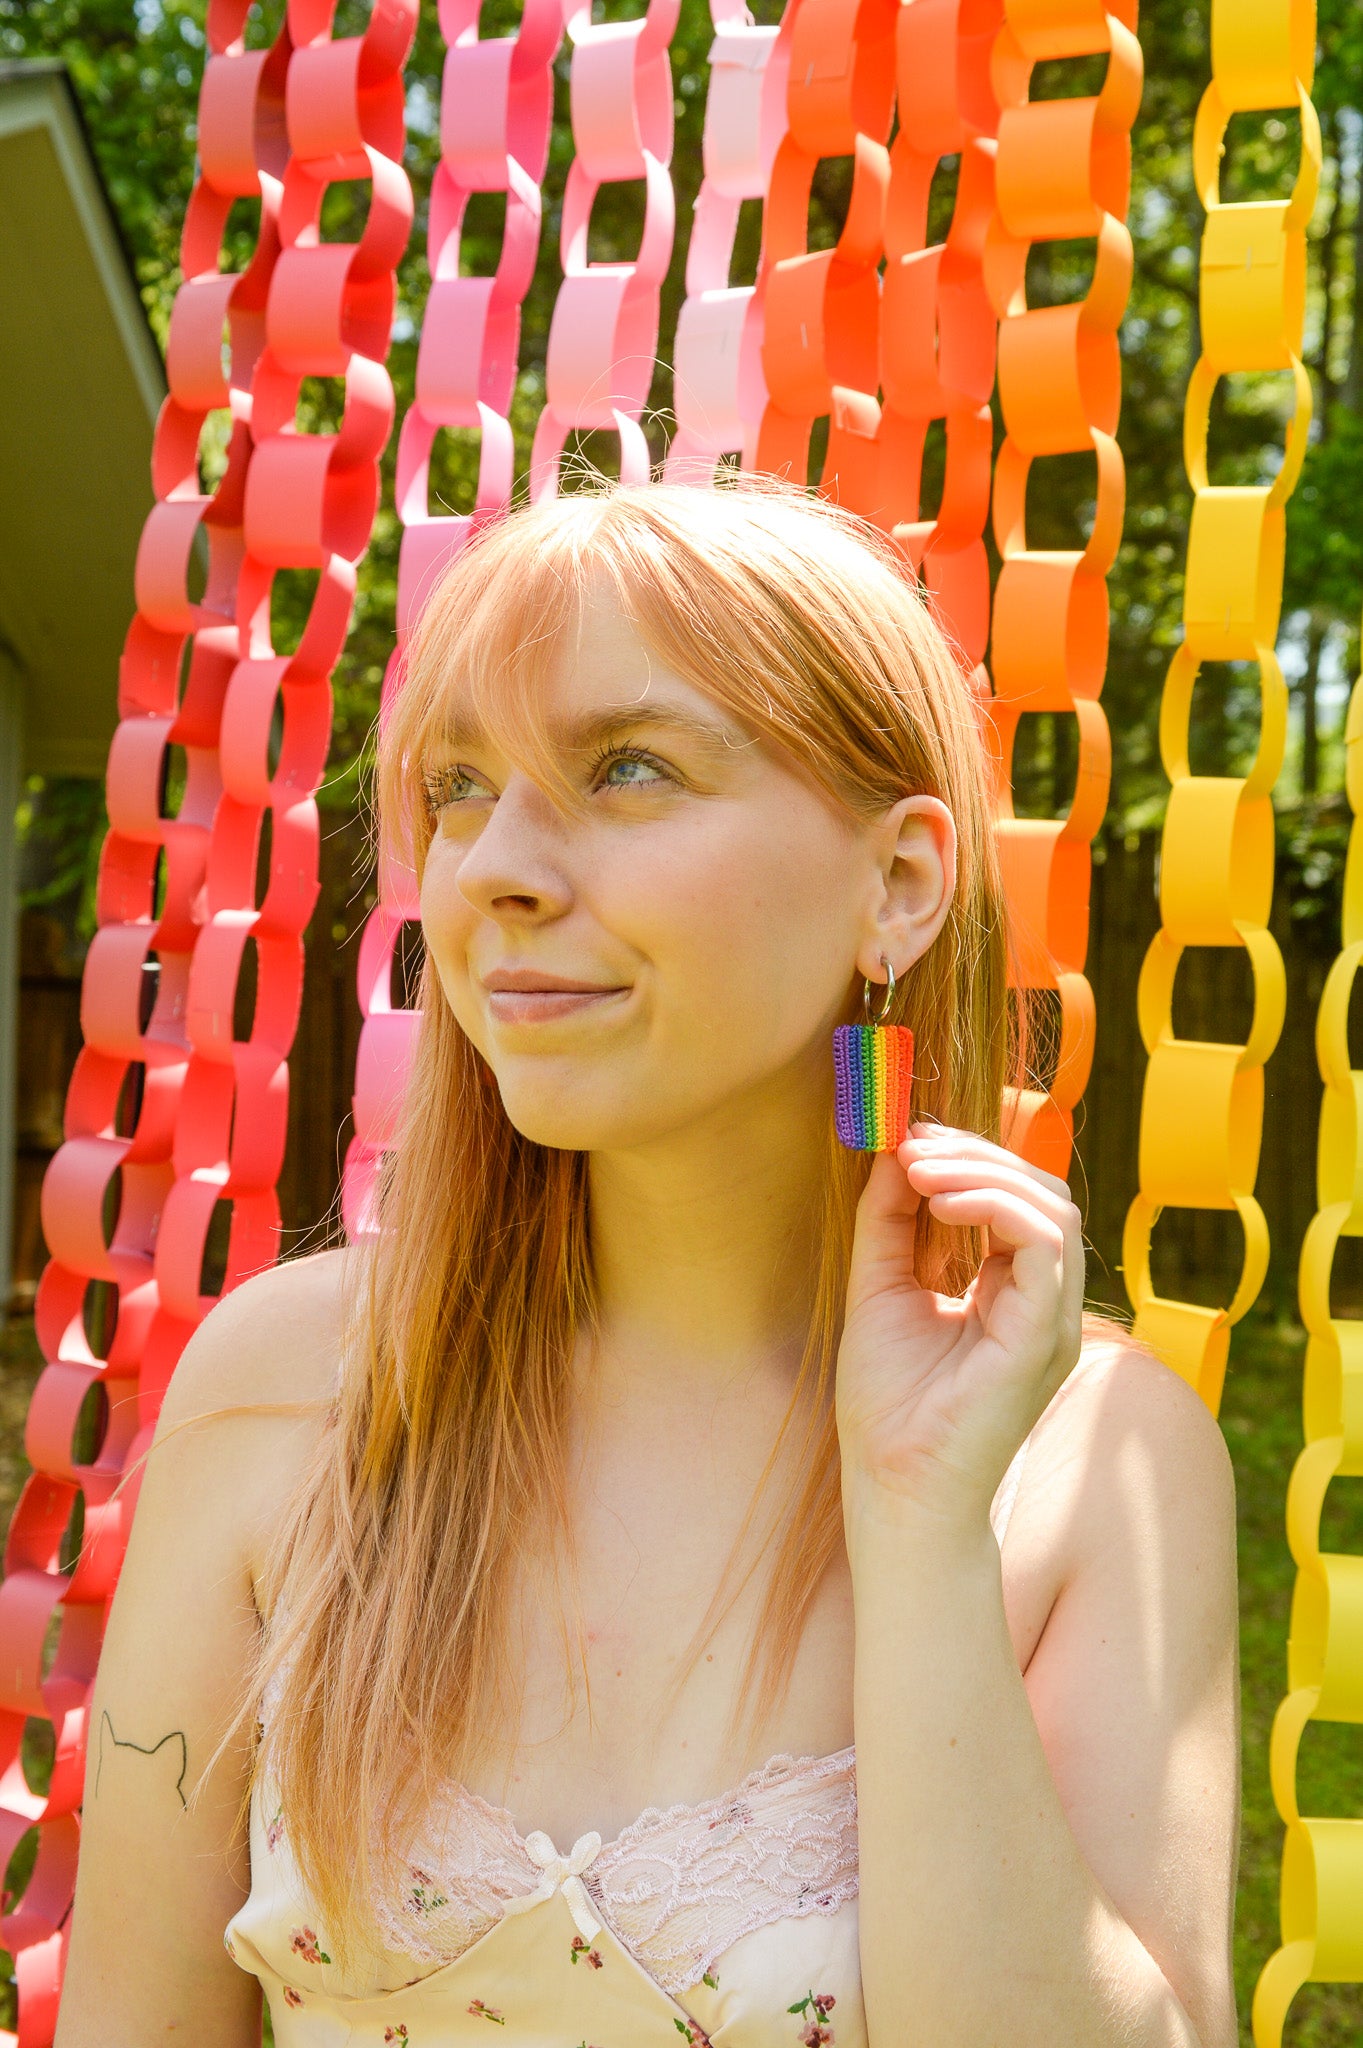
[
  {"x": 938, "y": 338},
  {"x": 821, "y": 338},
  {"x": 1063, "y": 171}
]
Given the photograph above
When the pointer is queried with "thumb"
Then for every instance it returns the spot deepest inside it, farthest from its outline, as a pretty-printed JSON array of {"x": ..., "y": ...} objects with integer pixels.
[{"x": 886, "y": 1229}]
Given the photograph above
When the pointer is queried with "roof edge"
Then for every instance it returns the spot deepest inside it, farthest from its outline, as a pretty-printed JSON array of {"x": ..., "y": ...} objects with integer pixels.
[{"x": 75, "y": 149}]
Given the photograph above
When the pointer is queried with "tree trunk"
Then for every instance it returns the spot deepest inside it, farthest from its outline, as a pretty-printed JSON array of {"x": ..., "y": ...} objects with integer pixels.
[
  {"x": 1352, "y": 389},
  {"x": 1310, "y": 683},
  {"x": 1331, "y": 270}
]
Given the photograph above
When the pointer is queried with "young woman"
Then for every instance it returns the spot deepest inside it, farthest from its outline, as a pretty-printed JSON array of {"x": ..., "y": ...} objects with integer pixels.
[{"x": 594, "y": 1592}]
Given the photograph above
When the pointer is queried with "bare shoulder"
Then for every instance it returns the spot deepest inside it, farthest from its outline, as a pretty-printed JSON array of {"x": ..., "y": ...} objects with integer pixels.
[
  {"x": 165, "y": 1860},
  {"x": 1134, "y": 1679},
  {"x": 275, "y": 1338},
  {"x": 256, "y": 1381},
  {"x": 1126, "y": 1450}
]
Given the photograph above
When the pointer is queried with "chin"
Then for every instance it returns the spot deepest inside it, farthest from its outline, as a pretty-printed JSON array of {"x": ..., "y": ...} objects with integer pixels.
[{"x": 569, "y": 1119}]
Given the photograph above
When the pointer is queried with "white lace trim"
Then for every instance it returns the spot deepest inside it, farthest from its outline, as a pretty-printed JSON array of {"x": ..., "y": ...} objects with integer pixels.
[{"x": 678, "y": 1887}]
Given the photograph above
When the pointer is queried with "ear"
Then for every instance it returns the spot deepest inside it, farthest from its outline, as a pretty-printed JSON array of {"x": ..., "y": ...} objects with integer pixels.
[{"x": 915, "y": 846}]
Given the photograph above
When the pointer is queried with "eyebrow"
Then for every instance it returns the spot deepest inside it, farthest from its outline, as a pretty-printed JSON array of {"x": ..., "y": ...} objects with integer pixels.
[{"x": 461, "y": 733}]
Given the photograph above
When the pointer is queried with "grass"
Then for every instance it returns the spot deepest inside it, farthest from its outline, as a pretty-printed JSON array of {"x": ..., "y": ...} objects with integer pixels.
[{"x": 1262, "y": 1420}]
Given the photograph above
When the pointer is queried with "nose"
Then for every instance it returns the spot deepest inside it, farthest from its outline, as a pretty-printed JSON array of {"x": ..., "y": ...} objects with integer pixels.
[{"x": 514, "y": 870}]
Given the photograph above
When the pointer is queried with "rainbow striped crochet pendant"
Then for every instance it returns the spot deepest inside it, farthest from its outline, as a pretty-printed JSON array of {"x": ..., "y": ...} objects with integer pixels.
[{"x": 873, "y": 1066}]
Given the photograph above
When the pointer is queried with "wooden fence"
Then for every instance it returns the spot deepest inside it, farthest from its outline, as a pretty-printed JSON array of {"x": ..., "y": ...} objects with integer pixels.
[{"x": 1197, "y": 1255}]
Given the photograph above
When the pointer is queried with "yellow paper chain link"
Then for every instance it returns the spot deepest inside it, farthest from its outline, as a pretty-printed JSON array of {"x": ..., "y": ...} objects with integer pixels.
[
  {"x": 1202, "y": 1106},
  {"x": 1322, "y": 1874}
]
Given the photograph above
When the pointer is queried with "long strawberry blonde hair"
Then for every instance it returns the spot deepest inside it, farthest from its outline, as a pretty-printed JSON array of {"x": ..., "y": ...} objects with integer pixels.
[{"x": 440, "y": 1464}]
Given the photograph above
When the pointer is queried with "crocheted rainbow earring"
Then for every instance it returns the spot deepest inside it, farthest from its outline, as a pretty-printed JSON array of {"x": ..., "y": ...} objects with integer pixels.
[{"x": 873, "y": 1069}]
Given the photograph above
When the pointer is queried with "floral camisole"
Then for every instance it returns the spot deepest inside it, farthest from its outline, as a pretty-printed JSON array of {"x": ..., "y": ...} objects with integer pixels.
[{"x": 728, "y": 1924}]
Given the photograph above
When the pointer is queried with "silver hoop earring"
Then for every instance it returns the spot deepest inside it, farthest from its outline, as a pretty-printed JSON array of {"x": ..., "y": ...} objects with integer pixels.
[{"x": 887, "y": 1000}]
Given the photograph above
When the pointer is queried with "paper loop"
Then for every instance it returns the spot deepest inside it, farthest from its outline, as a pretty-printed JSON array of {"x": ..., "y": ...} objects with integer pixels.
[{"x": 178, "y": 1104}]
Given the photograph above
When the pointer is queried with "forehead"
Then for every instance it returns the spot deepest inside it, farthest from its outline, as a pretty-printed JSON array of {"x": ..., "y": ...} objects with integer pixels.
[{"x": 600, "y": 675}]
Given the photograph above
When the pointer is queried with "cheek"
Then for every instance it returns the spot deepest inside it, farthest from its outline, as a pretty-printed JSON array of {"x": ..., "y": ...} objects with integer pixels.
[
  {"x": 446, "y": 913},
  {"x": 753, "y": 915}
]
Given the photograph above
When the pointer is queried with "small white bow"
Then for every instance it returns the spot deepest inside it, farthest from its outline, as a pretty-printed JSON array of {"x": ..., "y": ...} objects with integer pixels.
[{"x": 562, "y": 1873}]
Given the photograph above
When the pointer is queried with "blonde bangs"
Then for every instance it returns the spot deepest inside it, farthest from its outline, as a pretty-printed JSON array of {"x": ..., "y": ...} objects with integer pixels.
[
  {"x": 480, "y": 655},
  {"x": 813, "y": 633}
]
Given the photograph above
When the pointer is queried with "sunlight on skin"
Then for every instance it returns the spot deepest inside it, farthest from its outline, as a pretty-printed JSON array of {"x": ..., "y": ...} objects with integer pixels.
[
  {"x": 719, "y": 909},
  {"x": 653, "y": 979}
]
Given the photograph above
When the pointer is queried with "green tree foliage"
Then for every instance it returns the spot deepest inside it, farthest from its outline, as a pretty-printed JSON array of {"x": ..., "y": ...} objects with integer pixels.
[{"x": 137, "y": 69}]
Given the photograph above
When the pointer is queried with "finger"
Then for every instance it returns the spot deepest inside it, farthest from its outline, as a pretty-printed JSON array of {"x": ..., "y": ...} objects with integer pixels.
[
  {"x": 995, "y": 1272},
  {"x": 1047, "y": 1261},
  {"x": 933, "y": 1171},
  {"x": 932, "y": 1136},
  {"x": 887, "y": 1213}
]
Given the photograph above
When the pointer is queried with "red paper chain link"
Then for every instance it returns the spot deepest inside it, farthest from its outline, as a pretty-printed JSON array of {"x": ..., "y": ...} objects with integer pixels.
[
  {"x": 169, "y": 1111},
  {"x": 98, "y": 1295}
]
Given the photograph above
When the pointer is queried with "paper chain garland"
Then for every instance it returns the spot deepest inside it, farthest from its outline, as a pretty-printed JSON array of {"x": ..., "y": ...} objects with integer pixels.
[
  {"x": 175, "y": 1113},
  {"x": 938, "y": 330},
  {"x": 821, "y": 308},
  {"x": 179, "y": 1101},
  {"x": 1322, "y": 1873},
  {"x": 603, "y": 336},
  {"x": 1202, "y": 1107},
  {"x": 1322, "y": 1867},
  {"x": 1063, "y": 170},
  {"x": 495, "y": 118},
  {"x": 718, "y": 387}
]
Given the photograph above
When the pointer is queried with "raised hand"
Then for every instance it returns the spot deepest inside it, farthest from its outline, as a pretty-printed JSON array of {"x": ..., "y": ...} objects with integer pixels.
[{"x": 936, "y": 1392}]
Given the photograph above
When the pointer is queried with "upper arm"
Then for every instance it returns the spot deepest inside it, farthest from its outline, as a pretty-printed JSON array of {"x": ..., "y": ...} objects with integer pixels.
[
  {"x": 161, "y": 1872},
  {"x": 1134, "y": 1683}
]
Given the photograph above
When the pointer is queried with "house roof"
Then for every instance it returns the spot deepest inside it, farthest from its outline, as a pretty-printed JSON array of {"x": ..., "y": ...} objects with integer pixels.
[{"x": 81, "y": 381}]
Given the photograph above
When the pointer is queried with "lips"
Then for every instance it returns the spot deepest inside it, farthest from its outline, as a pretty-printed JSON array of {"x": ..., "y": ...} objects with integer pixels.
[
  {"x": 525, "y": 995},
  {"x": 533, "y": 981}
]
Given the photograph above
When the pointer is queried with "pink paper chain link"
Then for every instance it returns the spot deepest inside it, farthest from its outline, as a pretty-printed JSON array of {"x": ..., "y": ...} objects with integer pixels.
[
  {"x": 603, "y": 336},
  {"x": 719, "y": 390},
  {"x": 496, "y": 115}
]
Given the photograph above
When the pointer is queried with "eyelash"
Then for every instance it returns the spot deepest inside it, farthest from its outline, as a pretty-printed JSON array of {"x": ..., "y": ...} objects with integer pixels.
[
  {"x": 624, "y": 752},
  {"x": 437, "y": 784}
]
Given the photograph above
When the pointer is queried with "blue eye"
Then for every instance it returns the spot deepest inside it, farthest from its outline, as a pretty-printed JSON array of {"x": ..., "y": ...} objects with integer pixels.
[
  {"x": 640, "y": 769},
  {"x": 445, "y": 786}
]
